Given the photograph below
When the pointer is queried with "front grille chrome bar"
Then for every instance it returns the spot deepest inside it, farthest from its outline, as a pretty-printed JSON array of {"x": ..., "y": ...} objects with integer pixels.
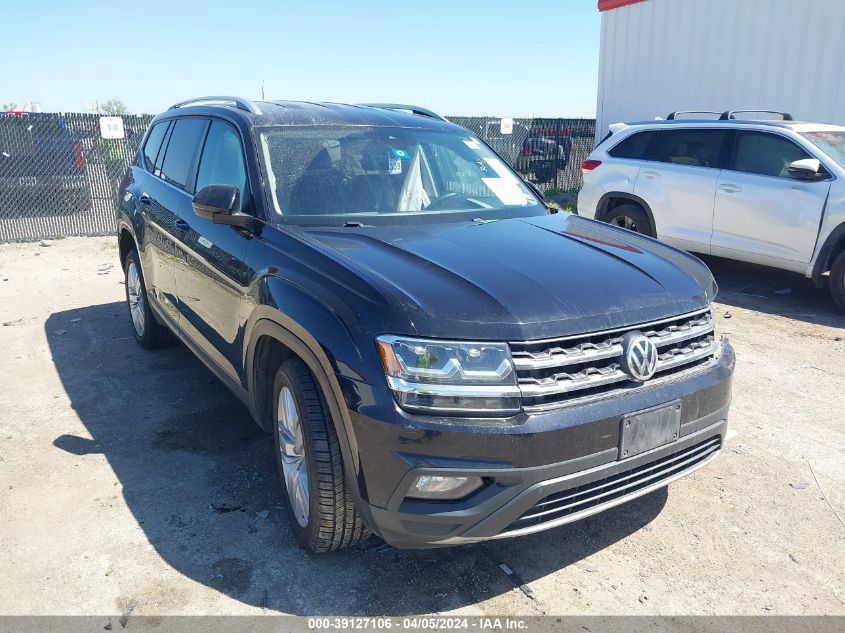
[
  {"x": 568, "y": 368},
  {"x": 586, "y": 352},
  {"x": 594, "y": 377}
]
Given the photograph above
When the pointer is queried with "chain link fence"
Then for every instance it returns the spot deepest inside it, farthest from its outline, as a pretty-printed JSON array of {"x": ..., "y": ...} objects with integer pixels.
[
  {"x": 59, "y": 173},
  {"x": 548, "y": 152}
]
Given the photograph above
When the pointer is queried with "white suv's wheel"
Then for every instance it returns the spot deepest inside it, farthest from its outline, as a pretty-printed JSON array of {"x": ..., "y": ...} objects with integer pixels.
[
  {"x": 837, "y": 281},
  {"x": 631, "y": 217}
]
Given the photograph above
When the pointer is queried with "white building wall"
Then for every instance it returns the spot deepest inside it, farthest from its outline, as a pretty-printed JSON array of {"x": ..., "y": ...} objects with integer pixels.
[{"x": 663, "y": 55}]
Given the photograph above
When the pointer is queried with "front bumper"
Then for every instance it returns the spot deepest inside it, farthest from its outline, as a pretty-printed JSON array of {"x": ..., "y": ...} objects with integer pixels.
[{"x": 540, "y": 470}]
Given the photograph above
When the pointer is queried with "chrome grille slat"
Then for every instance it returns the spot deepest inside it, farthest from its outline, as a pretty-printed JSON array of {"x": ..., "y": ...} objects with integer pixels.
[
  {"x": 658, "y": 471},
  {"x": 558, "y": 356},
  {"x": 595, "y": 358},
  {"x": 611, "y": 490}
]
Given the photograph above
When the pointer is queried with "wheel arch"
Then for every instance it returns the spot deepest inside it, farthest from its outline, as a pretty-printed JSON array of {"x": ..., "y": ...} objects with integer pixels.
[
  {"x": 271, "y": 341},
  {"x": 830, "y": 250},
  {"x": 613, "y": 199},
  {"x": 125, "y": 241}
]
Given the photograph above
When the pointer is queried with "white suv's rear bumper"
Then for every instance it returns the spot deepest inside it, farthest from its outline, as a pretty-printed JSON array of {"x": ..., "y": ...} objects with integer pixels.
[{"x": 588, "y": 200}]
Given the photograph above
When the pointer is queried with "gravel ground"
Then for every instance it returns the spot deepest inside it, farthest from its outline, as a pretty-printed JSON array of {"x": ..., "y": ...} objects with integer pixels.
[{"x": 133, "y": 480}]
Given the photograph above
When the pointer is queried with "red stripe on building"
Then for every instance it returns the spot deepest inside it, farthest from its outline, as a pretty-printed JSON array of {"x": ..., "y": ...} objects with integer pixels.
[{"x": 607, "y": 5}]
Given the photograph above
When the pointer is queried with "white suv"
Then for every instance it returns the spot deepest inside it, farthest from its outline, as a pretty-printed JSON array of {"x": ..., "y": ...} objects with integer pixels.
[{"x": 762, "y": 191}]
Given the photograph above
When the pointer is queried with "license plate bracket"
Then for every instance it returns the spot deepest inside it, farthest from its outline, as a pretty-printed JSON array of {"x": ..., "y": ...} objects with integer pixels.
[{"x": 644, "y": 430}]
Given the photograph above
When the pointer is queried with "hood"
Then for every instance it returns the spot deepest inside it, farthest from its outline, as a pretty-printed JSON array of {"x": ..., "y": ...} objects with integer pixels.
[{"x": 524, "y": 278}]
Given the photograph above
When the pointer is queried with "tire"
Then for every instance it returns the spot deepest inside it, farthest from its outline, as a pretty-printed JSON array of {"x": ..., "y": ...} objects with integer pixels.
[
  {"x": 836, "y": 283},
  {"x": 631, "y": 217},
  {"x": 149, "y": 333},
  {"x": 328, "y": 519}
]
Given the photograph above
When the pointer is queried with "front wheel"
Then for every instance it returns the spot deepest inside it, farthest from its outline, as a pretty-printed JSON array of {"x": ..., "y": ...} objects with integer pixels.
[
  {"x": 837, "y": 281},
  {"x": 320, "y": 508},
  {"x": 631, "y": 217}
]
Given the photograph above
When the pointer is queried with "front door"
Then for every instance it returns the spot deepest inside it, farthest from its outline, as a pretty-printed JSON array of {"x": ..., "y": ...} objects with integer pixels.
[
  {"x": 210, "y": 273},
  {"x": 762, "y": 214}
]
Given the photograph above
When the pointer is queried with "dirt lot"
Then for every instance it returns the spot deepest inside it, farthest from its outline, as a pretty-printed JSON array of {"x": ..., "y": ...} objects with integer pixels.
[{"x": 133, "y": 479}]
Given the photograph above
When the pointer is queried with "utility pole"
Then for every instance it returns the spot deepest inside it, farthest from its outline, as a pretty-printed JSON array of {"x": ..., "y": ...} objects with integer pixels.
[{"x": 262, "y": 90}]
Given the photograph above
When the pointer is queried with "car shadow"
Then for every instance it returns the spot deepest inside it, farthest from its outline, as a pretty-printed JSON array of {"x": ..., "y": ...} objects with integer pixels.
[
  {"x": 199, "y": 477},
  {"x": 773, "y": 291}
]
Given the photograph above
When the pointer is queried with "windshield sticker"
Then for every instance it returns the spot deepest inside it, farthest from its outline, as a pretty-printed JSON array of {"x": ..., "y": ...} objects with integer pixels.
[
  {"x": 400, "y": 153},
  {"x": 499, "y": 167},
  {"x": 472, "y": 143},
  {"x": 507, "y": 191},
  {"x": 394, "y": 165}
]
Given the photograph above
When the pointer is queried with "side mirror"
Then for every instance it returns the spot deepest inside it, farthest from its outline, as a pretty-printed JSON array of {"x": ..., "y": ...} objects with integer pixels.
[
  {"x": 807, "y": 169},
  {"x": 222, "y": 205}
]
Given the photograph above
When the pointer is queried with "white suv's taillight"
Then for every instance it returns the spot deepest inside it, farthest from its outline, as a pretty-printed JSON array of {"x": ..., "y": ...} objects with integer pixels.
[{"x": 589, "y": 165}]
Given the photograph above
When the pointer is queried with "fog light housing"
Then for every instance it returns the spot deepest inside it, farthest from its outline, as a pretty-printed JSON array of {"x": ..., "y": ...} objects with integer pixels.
[{"x": 444, "y": 487}]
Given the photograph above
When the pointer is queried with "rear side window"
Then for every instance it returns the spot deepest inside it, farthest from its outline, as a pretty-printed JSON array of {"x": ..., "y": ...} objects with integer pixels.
[
  {"x": 153, "y": 144},
  {"x": 222, "y": 161},
  {"x": 765, "y": 154},
  {"x": 634, "y": 146},
  {"x": 692, "y": 147},
  {"x": 182, "y": 151}
]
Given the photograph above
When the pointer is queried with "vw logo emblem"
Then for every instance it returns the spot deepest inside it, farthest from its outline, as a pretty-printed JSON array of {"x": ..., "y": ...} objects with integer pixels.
[{"x": 639, "y": 356}]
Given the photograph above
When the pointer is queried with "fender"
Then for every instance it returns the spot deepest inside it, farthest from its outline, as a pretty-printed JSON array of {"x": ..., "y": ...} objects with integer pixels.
[
  {"x": 602, "y": 205},
  {"x": 822, "y": 264},
  {"x": 283, "y": 324},
  {"x": 298, "y": 341}
]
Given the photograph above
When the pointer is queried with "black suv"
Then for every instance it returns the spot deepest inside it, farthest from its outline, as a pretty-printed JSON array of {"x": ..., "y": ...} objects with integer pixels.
[{"x": 440, "y": 358}]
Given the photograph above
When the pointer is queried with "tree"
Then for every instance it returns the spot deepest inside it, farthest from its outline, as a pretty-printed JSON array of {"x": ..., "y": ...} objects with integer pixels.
[
  {"x": 8, "y": 107},
  {"x": 113, "y": 107}
]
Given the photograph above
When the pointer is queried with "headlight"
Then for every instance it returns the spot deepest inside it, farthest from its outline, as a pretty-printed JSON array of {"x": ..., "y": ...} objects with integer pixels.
[{"x": 450, "y": 377}]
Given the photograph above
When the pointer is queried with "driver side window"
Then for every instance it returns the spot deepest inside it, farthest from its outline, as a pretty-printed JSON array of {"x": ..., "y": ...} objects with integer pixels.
[
  {"x": 222, "y": 161},
  {"x": 765, "y": 154}
]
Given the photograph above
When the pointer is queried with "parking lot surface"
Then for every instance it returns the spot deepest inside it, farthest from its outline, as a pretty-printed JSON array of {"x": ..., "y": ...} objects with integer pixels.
[{"x": 133, "y": 481}]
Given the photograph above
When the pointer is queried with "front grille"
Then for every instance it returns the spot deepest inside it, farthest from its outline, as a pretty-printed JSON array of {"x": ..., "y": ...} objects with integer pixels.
[
  {"x": 559, "y": 371},
  {"x": 603, "y": 491}
]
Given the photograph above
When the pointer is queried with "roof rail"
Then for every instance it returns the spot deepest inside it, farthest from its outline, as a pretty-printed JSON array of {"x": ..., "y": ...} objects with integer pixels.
[
  {"x": 673, "y": 115},
  {"x": 406, "y": 108},
  {"x": 239, "y": 102},
  {"x": 731, "y": 114}
]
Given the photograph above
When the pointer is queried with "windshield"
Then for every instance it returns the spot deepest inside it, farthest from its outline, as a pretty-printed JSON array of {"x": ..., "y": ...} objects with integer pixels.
[
  {"x": 386, "y": 175},
  {"x": 831, "y": 143}
]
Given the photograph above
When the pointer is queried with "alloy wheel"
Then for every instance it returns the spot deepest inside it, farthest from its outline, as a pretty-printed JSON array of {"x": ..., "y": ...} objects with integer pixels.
[
  {"x": 135, "y": 296},
  {"x": 626, "y": 222},
  {"x": 292, "y": 453}
]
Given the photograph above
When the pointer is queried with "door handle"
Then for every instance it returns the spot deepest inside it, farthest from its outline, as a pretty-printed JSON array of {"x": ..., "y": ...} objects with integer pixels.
[
  {"x": 182, "y": 226},
  {"x": 651, "y": 174},
  {"x": 145, "y": 199},
  {"x": 727, "y": 188}
]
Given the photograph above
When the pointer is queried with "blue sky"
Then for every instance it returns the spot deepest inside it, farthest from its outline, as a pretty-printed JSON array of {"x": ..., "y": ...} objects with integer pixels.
[{"x": 464, "y": 57}]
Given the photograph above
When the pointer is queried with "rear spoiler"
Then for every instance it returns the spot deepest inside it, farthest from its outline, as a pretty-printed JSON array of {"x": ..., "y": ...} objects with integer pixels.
[{"x": 612, "y": 129}]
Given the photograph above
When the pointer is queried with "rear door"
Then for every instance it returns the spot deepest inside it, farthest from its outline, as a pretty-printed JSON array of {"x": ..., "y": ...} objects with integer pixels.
[
  {"x": 762, "y": 214},
  {"x": 157, "y": 202},
  {"x": 209, "y": 274},
  {"x": 678, "y": 181}
]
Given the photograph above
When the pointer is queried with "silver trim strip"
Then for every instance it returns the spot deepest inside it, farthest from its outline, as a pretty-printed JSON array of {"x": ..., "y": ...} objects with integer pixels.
[
  {"x": 576, "y": 516},
  {"x": 463, "y": 391},
  {"x": 682, "y": 459}
]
